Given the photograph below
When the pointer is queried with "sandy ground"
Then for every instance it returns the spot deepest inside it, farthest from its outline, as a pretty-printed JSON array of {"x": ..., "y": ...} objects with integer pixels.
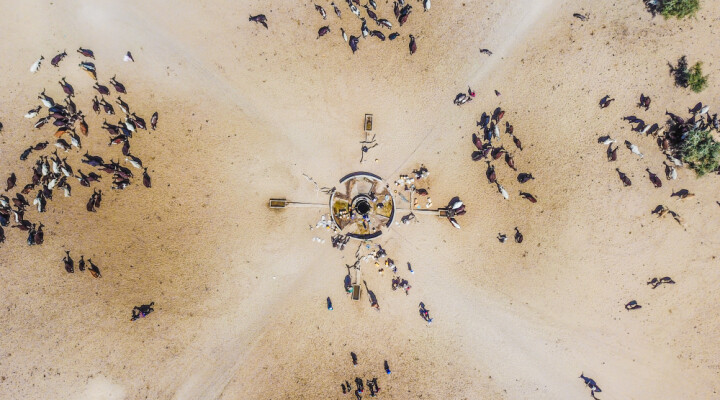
[{"x": 240, "y": 290}]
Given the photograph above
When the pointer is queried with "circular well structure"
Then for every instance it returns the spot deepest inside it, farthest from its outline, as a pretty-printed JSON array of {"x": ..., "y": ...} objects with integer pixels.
[{"x": 362, "y": 206}]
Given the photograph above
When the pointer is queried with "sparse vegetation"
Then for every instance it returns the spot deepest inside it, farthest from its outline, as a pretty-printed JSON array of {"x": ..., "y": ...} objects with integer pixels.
[
  {"x": 696, "y": 80},
  {"x": 689, "y": 77},
  {"x": 679, "y": 8},
  {"x": 672, "y": 8},
  {"x": 701, "y": 151}
]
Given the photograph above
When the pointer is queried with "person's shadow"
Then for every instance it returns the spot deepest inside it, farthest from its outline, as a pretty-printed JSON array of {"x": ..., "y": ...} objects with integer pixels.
[
  {"x": 348, "y": 281},
  {"x": 373, "y": 299}
]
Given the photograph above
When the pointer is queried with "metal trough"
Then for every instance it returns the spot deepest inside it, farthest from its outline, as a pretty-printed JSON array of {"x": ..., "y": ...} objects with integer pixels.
[
  {"x": 278, "y": 203},
  {"x": 368, "y": 122}
]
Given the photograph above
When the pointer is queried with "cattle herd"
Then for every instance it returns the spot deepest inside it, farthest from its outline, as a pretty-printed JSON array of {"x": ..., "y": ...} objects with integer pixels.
[
  {"x": 668, "y": 138},
  {"x": 489, "y": 147},
  {"x": 401, "y": 10},
  {"x": 668, "y": 141},
  {"x": 52, "y": 170},
  {"x": 495, "y": 143}
]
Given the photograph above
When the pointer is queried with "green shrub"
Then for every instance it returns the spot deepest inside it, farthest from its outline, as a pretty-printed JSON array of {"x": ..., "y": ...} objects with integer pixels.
[
  {"x": 689, "y": 77},
  {"x": 701, "y": 151},
  {"x": 679, "y": 8},
  {"x": 695, "y": 78}
]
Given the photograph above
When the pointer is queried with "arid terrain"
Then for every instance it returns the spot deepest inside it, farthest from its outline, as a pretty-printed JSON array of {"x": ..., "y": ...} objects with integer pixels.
[{"x": 240, "y": 289}]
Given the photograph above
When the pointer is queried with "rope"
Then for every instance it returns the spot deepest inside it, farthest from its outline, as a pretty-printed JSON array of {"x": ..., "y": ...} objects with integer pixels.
[{"x": 432, "y": 130}]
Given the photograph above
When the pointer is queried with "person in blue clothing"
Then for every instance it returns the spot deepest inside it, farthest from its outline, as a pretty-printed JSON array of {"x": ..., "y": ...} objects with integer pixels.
[
  {"x": 594, "y": 388},
  {"x": 424, "y": 313}
]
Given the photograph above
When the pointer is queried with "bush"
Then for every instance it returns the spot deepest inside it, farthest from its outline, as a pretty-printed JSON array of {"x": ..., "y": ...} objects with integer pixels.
[
  {"x": 701, "y": 151},
  {"x": 695, "y": 78},
  {"x": 679, "y": 8},
  {"x": 689, "y": 77}
]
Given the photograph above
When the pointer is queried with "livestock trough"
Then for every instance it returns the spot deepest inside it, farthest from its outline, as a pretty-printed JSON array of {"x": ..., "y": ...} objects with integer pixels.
[
  {"x": 278, "y": 203},
  {"x": 368, "y": 122},
  {"x": 356, "y": 292}
]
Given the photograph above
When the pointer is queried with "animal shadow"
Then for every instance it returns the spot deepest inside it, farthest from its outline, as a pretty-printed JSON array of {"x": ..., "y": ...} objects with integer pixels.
[{"x": 679, "y": 72}]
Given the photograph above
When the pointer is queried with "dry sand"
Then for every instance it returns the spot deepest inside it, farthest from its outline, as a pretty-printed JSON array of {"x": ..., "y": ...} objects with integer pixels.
[{"x": 240, "y": 289}]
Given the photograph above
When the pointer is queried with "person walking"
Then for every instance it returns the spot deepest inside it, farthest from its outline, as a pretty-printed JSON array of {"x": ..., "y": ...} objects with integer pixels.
[{"x": 424, "y": 313}]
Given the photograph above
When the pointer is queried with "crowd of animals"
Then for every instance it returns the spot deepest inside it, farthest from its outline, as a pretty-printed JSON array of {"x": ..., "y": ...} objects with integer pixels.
[
  {"x": 407, "y": 190},
  {"x": 52, "y": 171},
  {"x": 454, "y": 208},
  {"x": 70, "y": 265},
  {"x": 407, "y": 185},
  {"x": 401, "y": 10},
  {"x": 502, "y": 238},
  {"x": 489, "y": 147},
  {"x": 668, "y": 141},
  {"x": 463, "y": 98},
  {"x": 668, "y": 137}
]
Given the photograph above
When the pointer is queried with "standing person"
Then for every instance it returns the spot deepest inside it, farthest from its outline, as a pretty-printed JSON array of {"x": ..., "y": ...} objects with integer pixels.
[
  {"x": 347, "y": 283},
  {"x": 387, "y": 368},
  {"x": 391, "y": 265},
  {"x": 410, "y": 268},
  {"x": 365, "y": 149},
  {"x": 406, "y": 286},
  {"x": 424, "y": 313},
  {"x": 371, "y": 388},
  {"x": 329, "y": 304},
  {"x": 380, "y": 252},
  {"x": 359, "y": 383}
]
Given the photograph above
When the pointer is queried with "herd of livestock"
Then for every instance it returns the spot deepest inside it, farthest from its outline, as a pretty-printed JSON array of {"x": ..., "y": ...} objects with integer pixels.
[
  {"x": 668, "y": 141},
  {"x": 489, "y": 147},
  {"x": 51, "y": 169},
  {"x": 401, "y": 10}
]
